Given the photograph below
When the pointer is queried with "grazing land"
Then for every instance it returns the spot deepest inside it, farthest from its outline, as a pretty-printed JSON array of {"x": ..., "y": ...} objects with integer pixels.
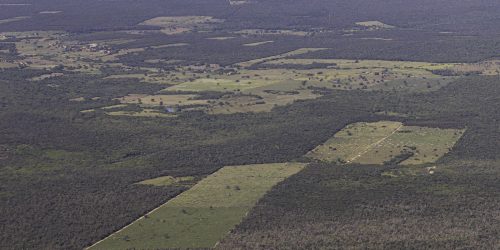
[
  {"x": 386, "y": 143},
  {"x": 257, "y": 43},
  {"x": 168, "y": 180},
  {"x": 375, "y": 25},
  {"x": 180, "y": 24},
  {"x": 201, "y": 216},
  {"x": 112, "y": 109},
  {"x": 412, "y": 145}
]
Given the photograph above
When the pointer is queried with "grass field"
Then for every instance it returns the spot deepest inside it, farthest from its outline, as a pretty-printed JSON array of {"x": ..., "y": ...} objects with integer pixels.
[
  {"x": 221, "y": 38},
  {"x": 180, "y": 24},
  {"x": 201, "y": 216},
  {"x": 167, "y": 181},
  {"x": 383, "y": 142},
  {"x": 243, "y": 104},
  {"x": 48, "y": 12},
  {"x": 429, "y": 145},
  {"x": 350, "y": 142},
  {"x": 218, "y": 84},
  {"x": 272, "y": 81},
  {"x": 375, "y": 25},
  {"x": 14, "y": 19},
  {"x": 162, "y": 100},
  {"x": 257, "y": 43},
  {"x": 142, "y": 113},
  {"x": 264, "y": 32},
  {"x": 281, "y": 86}
]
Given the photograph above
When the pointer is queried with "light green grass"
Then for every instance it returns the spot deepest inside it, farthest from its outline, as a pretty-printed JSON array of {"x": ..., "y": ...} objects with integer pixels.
[
  {"x": 347, "y": 144},
  {"x": 379, "y": 142},
  {"x": 375, "y": 24},
  {"x": 265, "y": 32},
  {"x": 201, "y": 216},
  {"x": 366, "y": 64},
  {"x": 166, "y": 180},
  {"x": 14, "y": 19},
  {"x": 179, "y": 24},
  {"x": 161, "y": 100},
  {"x": 219, "y": 84},
  {"x": 221, "y": 38},
  {"x": 143, "y": 113},
  {"x": 117, "y": 106},
  {"x": 430, "y": 143},
  {"x": 257, "y": 43}
]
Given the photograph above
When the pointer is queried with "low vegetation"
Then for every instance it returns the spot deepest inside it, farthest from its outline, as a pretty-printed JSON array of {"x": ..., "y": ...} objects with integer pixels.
[
  {"x": 201, "y": 216},
  {"x": 388, "y": 143},
  {"x": 110, "y": 109},
  {"x": 168, "y": 180}
]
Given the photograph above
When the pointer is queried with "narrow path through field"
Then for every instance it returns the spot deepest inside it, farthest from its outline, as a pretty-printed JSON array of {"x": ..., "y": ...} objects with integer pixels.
[{"x": 371, "y": 146}]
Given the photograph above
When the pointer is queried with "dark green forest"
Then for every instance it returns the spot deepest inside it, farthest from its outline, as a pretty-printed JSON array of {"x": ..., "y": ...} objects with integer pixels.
[{"x": 67, "y": 177}]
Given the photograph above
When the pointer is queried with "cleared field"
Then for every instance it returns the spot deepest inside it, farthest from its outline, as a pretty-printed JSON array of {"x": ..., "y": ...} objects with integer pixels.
[
  {"x": 257, "y": 43},
  {"x": 276, "y": 80},
  {"x": 167, "y": 181},
  {"x": 48, "y": 49},
  {"x": 7, "y": 65},
  {"x": 366, "y": 64},
  {"x": 219, "y": 84},
  {"x": 368, "y": 74},
  {"x": 272, "y": 32},
  {"x": 142, "y": 113},
  {"x": 14, "y": 19},
  {"x": 491, "y": 67},
  {"x": 282, "y": 80},
  {"x": 115, "y": 106},
  {"x": 170, "y": 45},
  {"x": 46, "y": 76},
  {"x": 281, "y": 86},
  {"x": 180, "y": 24},
  {"x": 387, "y": 142},
  {"x": 49, "y": 12},
  {"x": 349, "y": 144},
  {"x": 422, "y": 144},
  {"x": 266, "y": 102},
  {"x": 375, "y": 25},
  {"x": 162, "y": 100},
  {"x": 201, "y": 216},
  {"x": 115, "y": 56},
  {"x": 221, "y": 38}
]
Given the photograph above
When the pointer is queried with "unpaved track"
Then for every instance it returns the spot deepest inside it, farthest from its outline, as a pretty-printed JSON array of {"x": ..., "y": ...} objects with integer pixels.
[{"x": 371, "y": 146}]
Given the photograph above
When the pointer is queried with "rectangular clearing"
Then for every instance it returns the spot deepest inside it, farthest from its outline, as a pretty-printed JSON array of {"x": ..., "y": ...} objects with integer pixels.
[
  {"x": 387, "y": 142},
  {"x": 201, "y": 216}
]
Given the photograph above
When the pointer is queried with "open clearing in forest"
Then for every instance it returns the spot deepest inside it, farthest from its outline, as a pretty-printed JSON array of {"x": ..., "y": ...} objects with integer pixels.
[
  {"x": 142, "y": 113},
  {"x": 281, "y": 79},
  {"x": 168, "y": 181},
  {"x": 180, "y": 24},
  {"x": 162, "y": 100},
  {"x": 266, "y": 32},
  {"x": 375, "y": 25},
  {"x": 256, "y": 85},
  {"x": 257, "y": 43},
  {"x": 387, "y": 142},
  {"x": 201, "y": 216},
  {"x": 14, "y": 19}
]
